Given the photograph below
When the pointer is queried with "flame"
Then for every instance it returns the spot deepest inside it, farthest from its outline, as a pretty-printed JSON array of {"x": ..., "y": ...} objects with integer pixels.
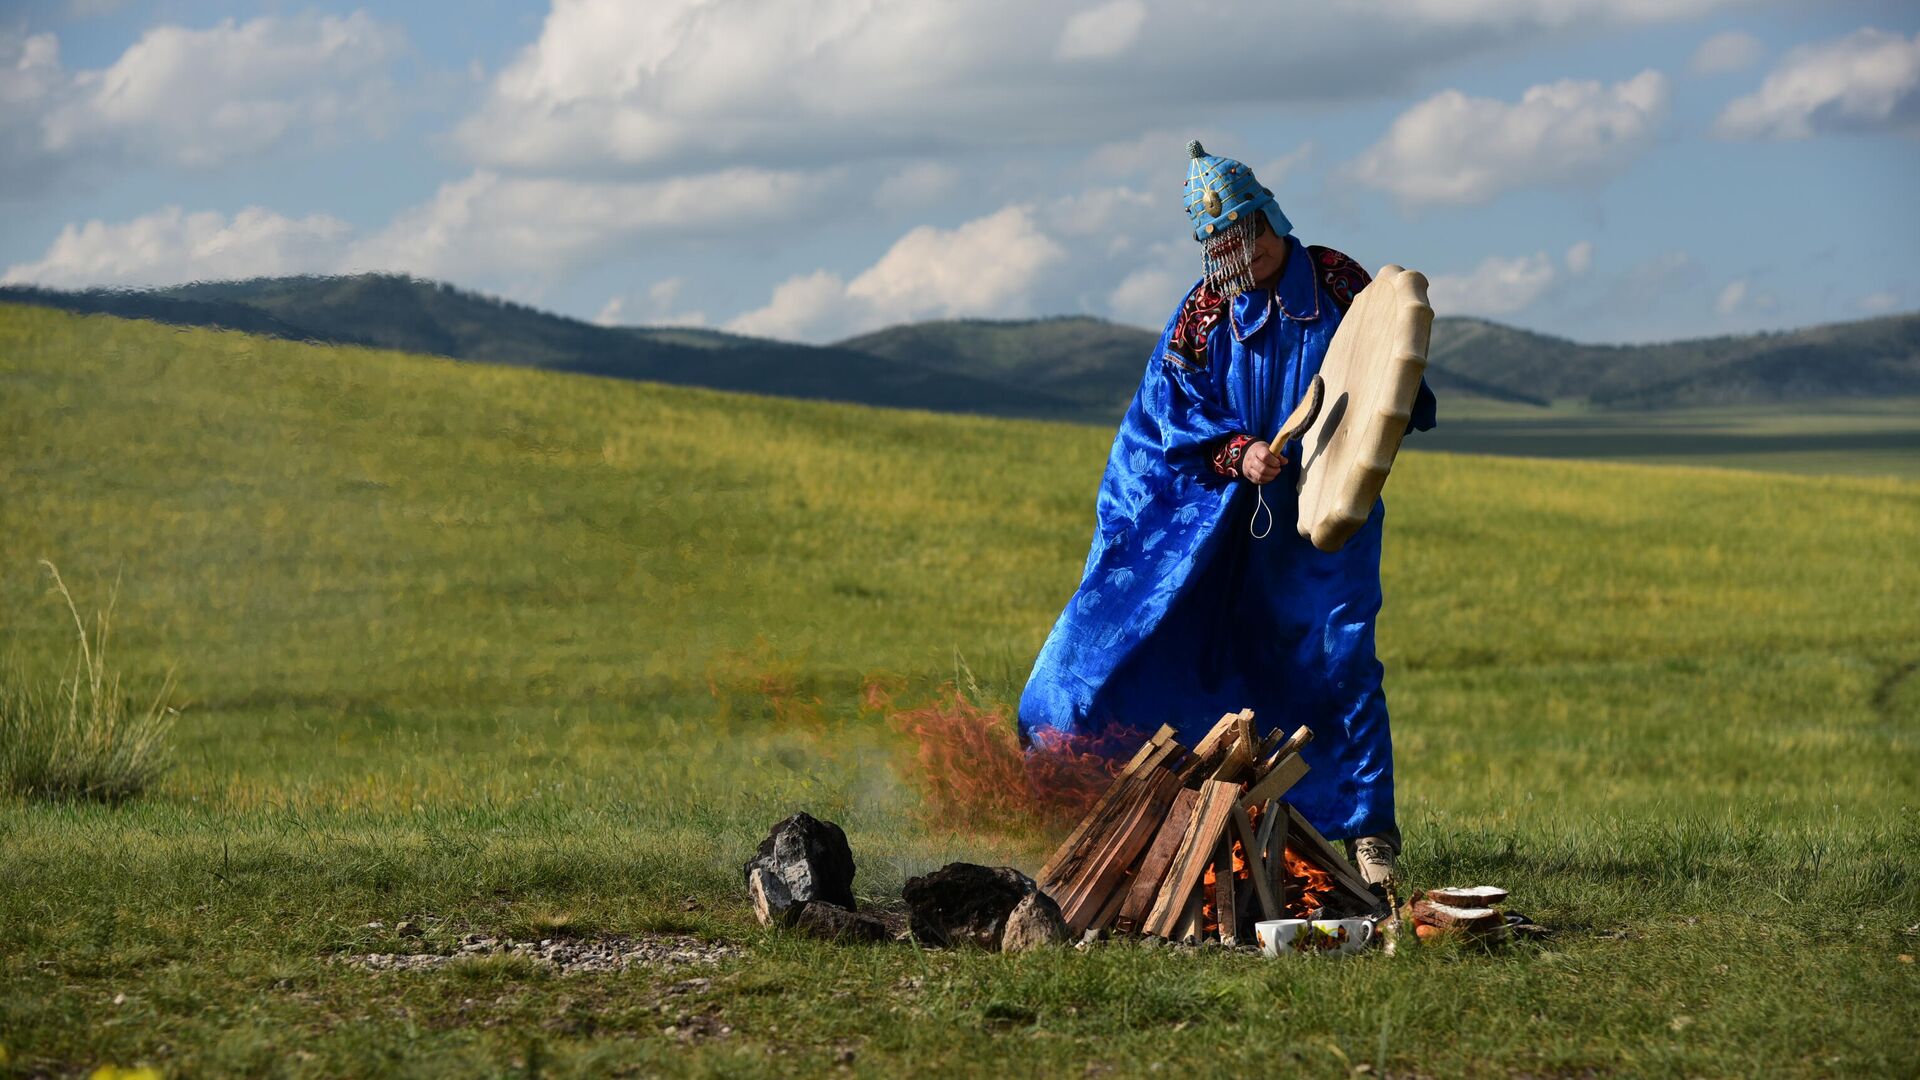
[{"x": 1306, "y": 884}]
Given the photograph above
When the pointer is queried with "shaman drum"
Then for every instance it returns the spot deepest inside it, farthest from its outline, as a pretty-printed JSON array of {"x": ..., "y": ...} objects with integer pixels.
[{"x": 1372, "y": 372}]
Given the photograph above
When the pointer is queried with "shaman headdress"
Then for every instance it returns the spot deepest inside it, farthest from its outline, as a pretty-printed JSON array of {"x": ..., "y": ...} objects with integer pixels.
[{"x": 1224, "y": 200}]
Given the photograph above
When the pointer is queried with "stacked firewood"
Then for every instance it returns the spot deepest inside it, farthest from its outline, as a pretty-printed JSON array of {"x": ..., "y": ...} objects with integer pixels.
[{"x": 1193, "y": 844}]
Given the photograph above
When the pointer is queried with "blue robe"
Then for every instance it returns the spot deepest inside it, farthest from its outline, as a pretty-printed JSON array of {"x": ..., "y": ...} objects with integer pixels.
[{"x": 1182, "y": 615}]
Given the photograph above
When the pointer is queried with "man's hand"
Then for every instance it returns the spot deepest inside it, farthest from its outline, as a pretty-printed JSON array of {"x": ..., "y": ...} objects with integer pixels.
[{"x": 1259, "y": 464}]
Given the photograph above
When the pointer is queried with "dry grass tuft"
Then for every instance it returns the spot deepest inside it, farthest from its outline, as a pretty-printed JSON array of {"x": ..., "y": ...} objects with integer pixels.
[{"x": 83, "y": 737}]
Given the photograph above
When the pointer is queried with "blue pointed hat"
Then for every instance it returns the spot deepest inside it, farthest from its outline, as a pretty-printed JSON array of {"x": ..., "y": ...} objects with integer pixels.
[{"x": 1221, "y": 193}]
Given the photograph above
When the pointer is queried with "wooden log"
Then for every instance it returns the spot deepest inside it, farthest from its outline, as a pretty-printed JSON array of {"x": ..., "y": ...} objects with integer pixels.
[
  {"x": 1312, "y": 846},
  {"x": 1145, "y": 886},
  {"x": 1088, "y": 894},
  {"x": 1209, "y": 822},
  {"x": 1224, "y": 885},
  {"x": 1208, "y": 752},
  {"x": 1274, "y": 754},
  {"x": 1276, "y": 782},
  {"x": 1257, "y": 871},
  {"x": 1078, "y": 836},
  {"x": 1105, "y": 919},
  {"x": 1239, "y": 756},
  {"x": 1190, "y": 927},
  {"x": 1094, "y": 831}
]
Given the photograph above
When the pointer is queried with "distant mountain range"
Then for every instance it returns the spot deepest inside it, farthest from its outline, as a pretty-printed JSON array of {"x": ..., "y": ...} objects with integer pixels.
[{"x": 1067, "y": 368}]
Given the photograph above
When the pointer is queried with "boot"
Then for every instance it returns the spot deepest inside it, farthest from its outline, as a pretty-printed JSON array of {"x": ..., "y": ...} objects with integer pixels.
[{"x": 1377, "y": 858}]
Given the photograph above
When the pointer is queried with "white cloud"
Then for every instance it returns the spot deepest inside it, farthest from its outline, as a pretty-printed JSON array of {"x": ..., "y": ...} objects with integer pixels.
[
  {"x": 661, "y": 308},
  {"x": 1875, "y": 303},
  {"x": 1724, "y": 52},
  {"x": 192, "y": 97},
  {"x": 486, "y": 221},
  {"x": 1731, "y": 297},
  {"x": 622, "y": 87},
  {"x": 1866, "y": 81},
  {"x": 170, "y": 246},
  {"x": 1146, "y": 297},
  {"x": 1740, "y": 297},
  {"x": 987, "y": 267},
  {"x": 1580, "y": 257},
  {"x": 807, "y": 307},
  {"x": 1455, "y": 149},
  {"x": 483, "y": 226},
  {"x": 1498, "y": 286},
  {"x": 1101, "y": 33}
]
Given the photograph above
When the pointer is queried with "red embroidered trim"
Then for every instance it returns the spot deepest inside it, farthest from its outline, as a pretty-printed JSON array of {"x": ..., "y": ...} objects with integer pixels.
[
  {"x": 1342, "y": 277},
  {"x": 1226, "y": 460},
  {"x": 1201, "y": 312}
]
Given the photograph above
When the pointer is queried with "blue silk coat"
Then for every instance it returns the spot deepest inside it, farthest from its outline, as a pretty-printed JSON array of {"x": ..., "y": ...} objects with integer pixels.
[{"x": 1182, "y": 615}]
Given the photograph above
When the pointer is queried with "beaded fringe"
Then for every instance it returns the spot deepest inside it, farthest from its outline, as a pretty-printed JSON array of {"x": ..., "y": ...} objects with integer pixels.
[{"x": 1229, "y": 259}]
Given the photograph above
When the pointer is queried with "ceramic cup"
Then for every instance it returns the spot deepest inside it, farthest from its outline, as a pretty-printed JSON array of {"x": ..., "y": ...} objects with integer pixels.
[{"x": 1279, "y": 936}]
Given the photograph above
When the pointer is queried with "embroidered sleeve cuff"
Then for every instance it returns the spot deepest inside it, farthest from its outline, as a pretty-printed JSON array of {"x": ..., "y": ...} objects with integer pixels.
[{"x": 1226, "y": 460}]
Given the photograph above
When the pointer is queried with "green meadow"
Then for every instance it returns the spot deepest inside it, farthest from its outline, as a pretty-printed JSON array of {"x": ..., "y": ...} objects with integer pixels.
[
  {"x": 1854, "y": 436},
  {"x": 515, "y": 653}
]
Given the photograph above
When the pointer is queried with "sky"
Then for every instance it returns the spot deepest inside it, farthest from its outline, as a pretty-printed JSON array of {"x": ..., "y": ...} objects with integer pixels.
[{"x": 1605, "y": 170}]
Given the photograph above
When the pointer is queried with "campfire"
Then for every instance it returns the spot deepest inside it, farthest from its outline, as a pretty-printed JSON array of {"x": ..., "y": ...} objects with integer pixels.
[{"x": 1197, "y": 844}]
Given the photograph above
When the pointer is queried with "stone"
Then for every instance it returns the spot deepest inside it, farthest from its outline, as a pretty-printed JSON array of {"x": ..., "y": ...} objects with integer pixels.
[
  {"x": 834, "y": 923},
  {"x": 1035, "y": 922},
  {"x": 966, "y": 904},
  {"x": 773, "y": 903},
  {"x": 811, "y": 858}
]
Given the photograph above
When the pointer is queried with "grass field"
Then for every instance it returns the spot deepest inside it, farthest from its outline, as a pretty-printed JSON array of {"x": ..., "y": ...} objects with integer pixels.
[
  {"x": 1858, "y": 436},
  {"x": 509, "y": 652}
]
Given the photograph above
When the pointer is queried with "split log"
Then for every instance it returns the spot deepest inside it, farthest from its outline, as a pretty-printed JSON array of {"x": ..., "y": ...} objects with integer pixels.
[
  {"x": 1155, "y": 745},
  {"x": 1275, "y": 751},
  {"x": 1105, "y": 919},
  {"x": 1224, "y": 884},
  {"x": 1208, "y": 823},
  {"x": 1310, "y": 845},
  {"x": 1240, "y": 749},
  {"x": 1209, "y": 751},
  {"x": 1276, "y": 782},
  {"x": 1083, "y": 898},
  {"x": 1145, "y": 887},
  {"x": 1256, "y": 863}
]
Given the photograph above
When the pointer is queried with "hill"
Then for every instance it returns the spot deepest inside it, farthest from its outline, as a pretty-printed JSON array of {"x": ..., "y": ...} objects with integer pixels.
[
  {"x": 1064, "y": 368},
  {"x": 1091, "y": 361},
  {"x": 473, "y": 651},
  {"x": 1867, "y": 358},
  {"x": 395, "y": 312}
]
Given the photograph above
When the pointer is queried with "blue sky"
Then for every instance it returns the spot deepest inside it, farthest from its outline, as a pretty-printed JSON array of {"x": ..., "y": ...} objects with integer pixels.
[{"x": 1609, "y": 170}]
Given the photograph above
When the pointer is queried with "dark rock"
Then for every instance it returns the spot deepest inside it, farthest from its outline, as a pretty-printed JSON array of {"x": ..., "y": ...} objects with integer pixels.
[
  {"x": 811, "y": 858},
  {"x": 772, "y": 902},
  {"x": 835, "y": 923},
  {"x": 1034, "y": 922},
  {"x": 966, "y": 904}
]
